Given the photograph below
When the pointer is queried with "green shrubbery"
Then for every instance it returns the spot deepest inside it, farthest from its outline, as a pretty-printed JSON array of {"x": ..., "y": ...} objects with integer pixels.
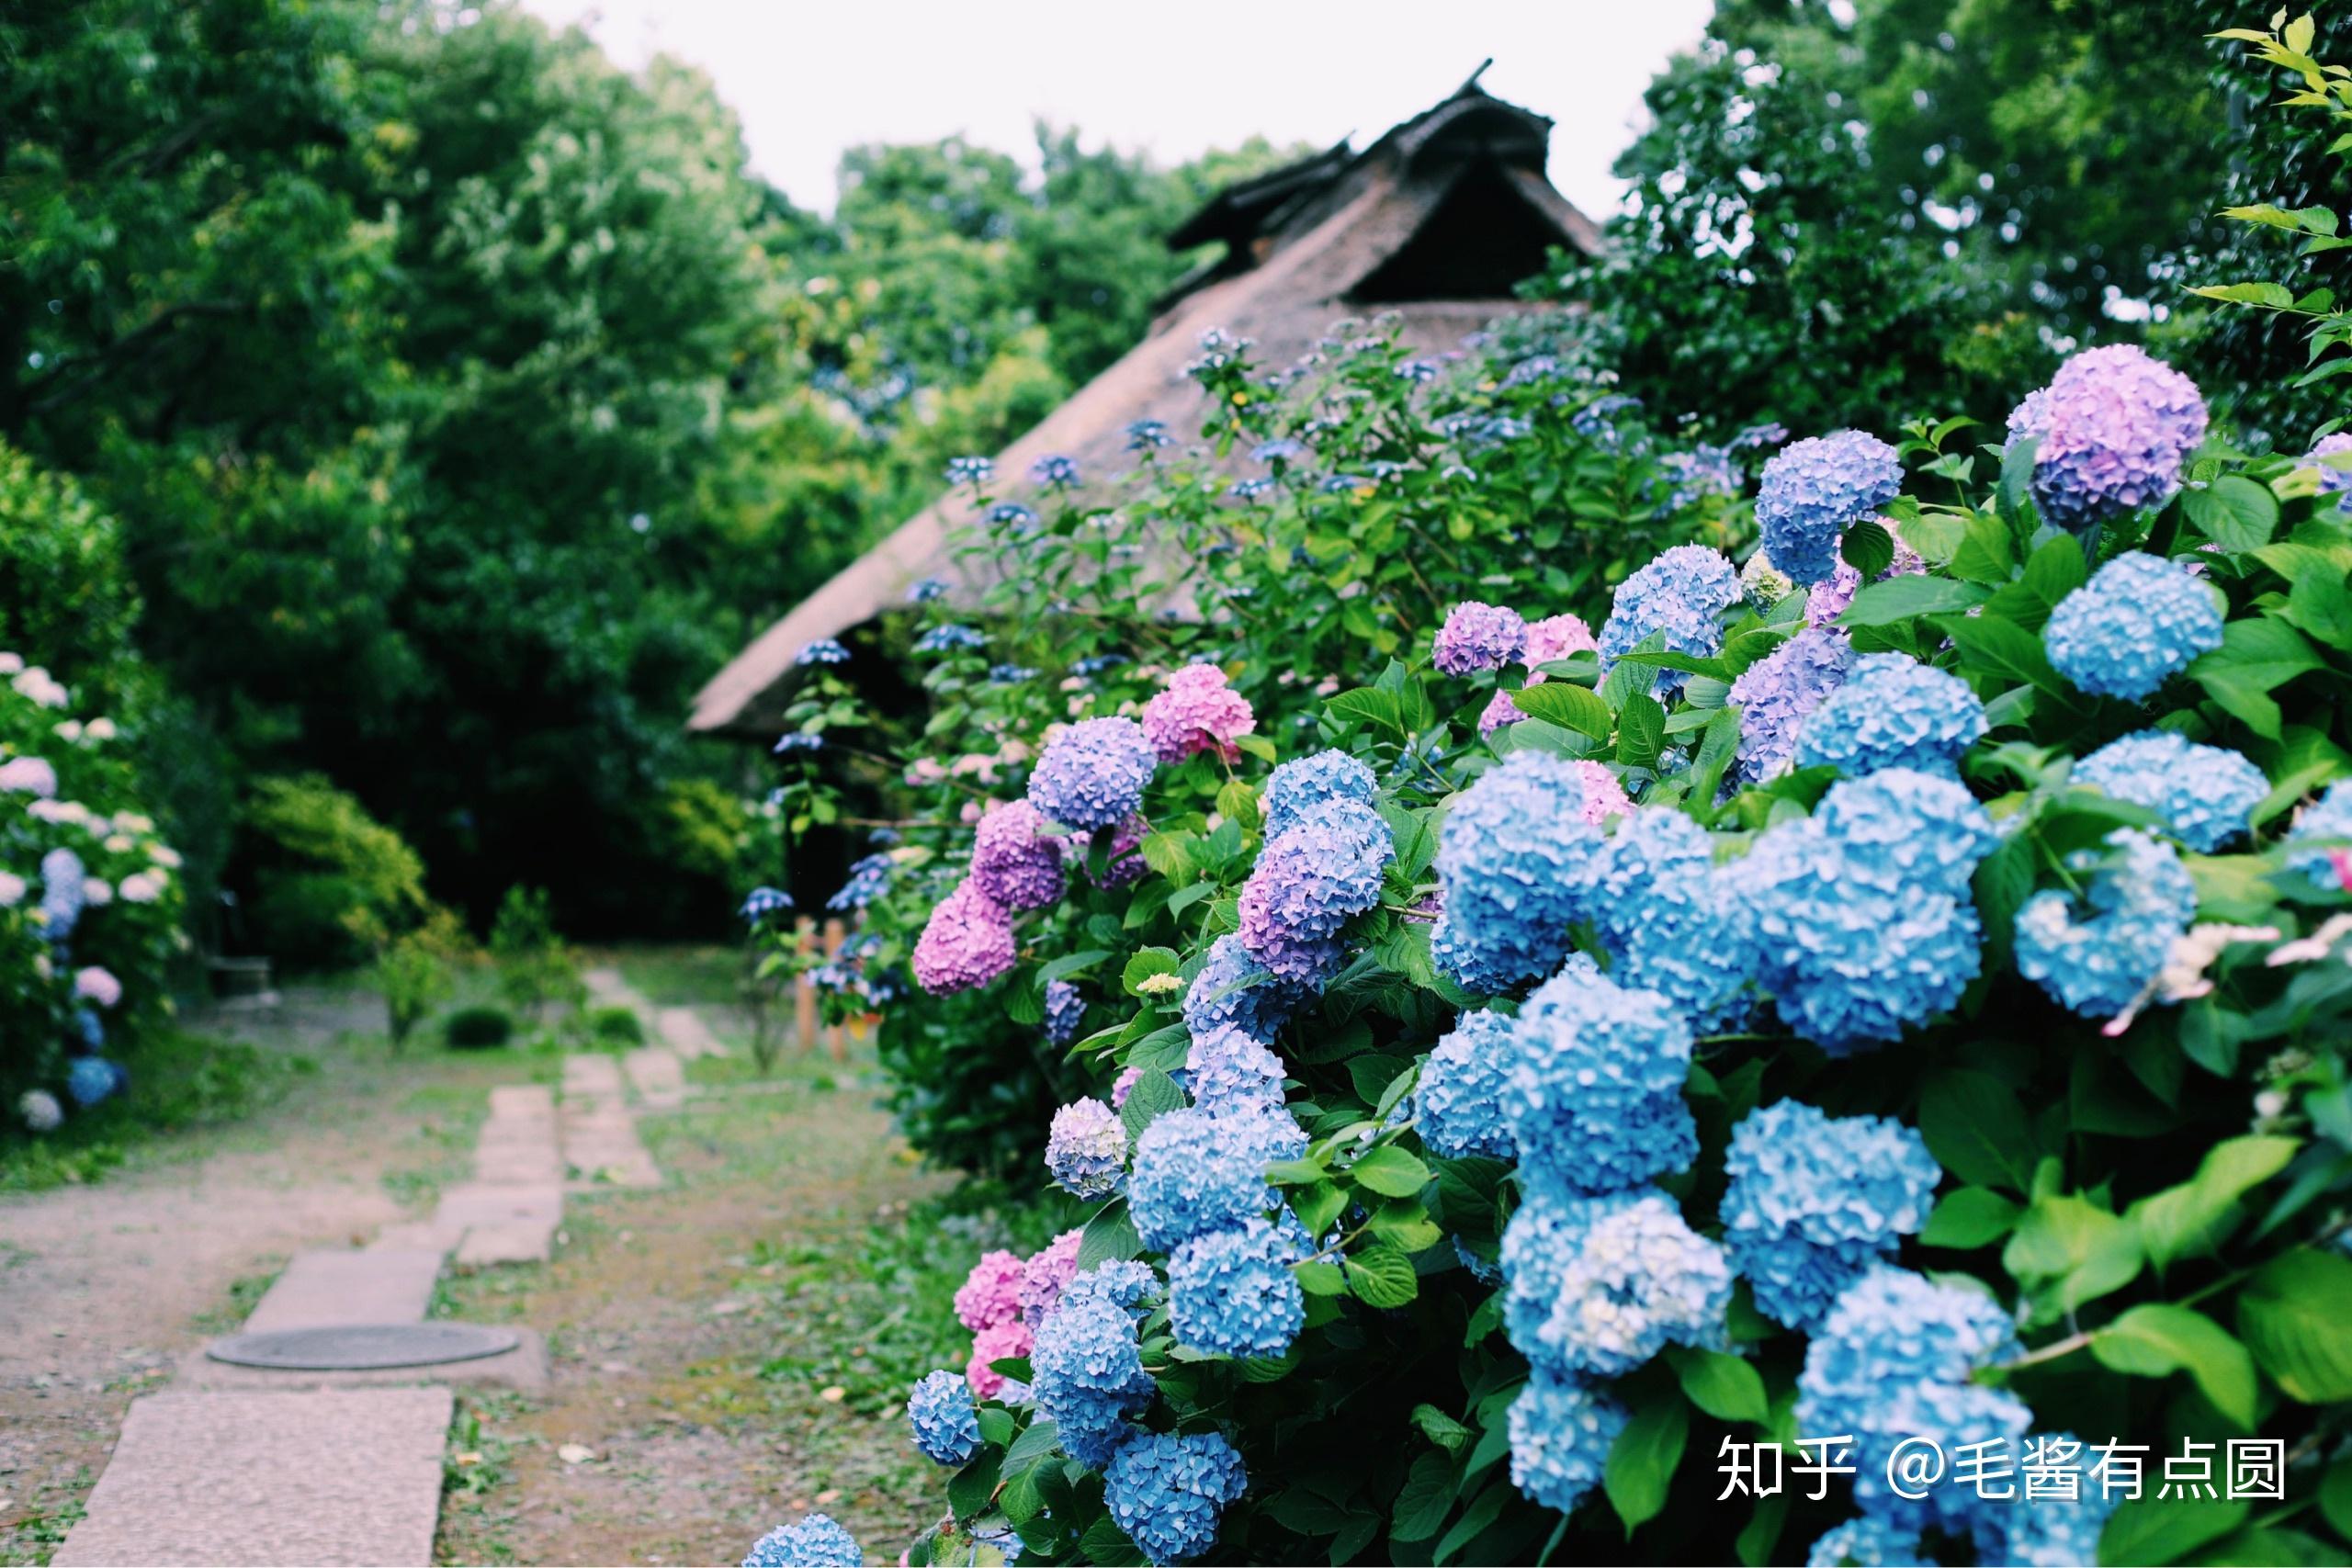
[
  {"x": 478, "y": 1028},
  {"x": 329, "y": 881}
]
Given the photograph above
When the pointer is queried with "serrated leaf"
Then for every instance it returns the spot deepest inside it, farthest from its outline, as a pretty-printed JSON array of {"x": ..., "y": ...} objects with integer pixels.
[
  {"x": 1868, "y": 548},
  {"x": 1150, "y": 1097},
  {"x": 970, "y": 1489},
  {"x": 1425, "y": 1499},
  {"x": 1641, "y": 731},
  {"x": 1569, "y": 707},
  {"x": 2292, "y": 1315},
  {"x": 2234, "y": 511},
  {"x": 1109, "y": 1237},
  {"x": 1382, "y": 1276},
  {"x": 1390, "y": 1171},
  {"x": 2159, "y": 1338},
  {"x": 1900, "y": 599},
  {"x": 1641, "y": 1462},
  {"x": 1320, "y": 1279}
]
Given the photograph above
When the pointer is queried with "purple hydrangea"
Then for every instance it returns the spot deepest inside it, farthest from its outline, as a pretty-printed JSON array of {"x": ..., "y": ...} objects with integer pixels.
[
  {"x": 1478, "y": 636},
  {"x": 1890, "y": 712},
  {"x": 968, "y": 942},
  {"x": 2205, "y": 793},
  {"x": 2139, "y": 619},
  {"x": 1308, "y": 882},
  {"x": 1046, "y": 1274},
  {"x": 1121, "y": 844},
  {"x": 1015, "y": 861},
  {"x": 2334, "y": 478},
  {"x": 1064, "y": 1012},
  {"x": 1776, "y": 692},
  {"x": 1812, "y": 490},
  {"x": 1677, "y": 598},
  {"x": 2115, "y": 426},
  {"x": 1094, "y": 772}
]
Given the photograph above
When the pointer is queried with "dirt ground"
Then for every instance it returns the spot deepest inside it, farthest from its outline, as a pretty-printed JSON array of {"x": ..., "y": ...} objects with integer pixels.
[{"x": 724, "y": 1352}]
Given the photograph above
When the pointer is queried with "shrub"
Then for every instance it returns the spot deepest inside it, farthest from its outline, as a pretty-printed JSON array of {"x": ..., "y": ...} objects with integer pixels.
[
  {"x": 326, "y": 877},
  {"x": 66, "y": 602},
  {"x": 1893, "y": 994},
  {"x": 535, "y": 968},
  {"x": 616, "y": 1026},
  {"x": 413, "y": 970},
  {"x": 478, "y": 1028}
]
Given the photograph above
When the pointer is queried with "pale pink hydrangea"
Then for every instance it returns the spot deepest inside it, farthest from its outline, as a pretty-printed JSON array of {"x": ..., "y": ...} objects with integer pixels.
[
  {"x": 1604, "y": 796},
  {"x": 968, "y": 942},
  {"x": 1197, "y": 711},
  {"x": 1002, "y": 1342},
  {"x": 990, "y": 1295},
  {"x": 96, "y": 985},
  {"x": 1552, "y": 637},
  {"x": 28, "y": 775}
]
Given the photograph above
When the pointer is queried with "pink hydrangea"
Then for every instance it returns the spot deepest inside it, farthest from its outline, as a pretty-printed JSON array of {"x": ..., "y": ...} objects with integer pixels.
[
  {"x": 29, "y": 775},
  {"x": 1501, "y": 710},
  {"x": 96, "y": 985},
  {"x": 968, "y": 942},
  {"x": 990, "y": 1295},
  {"x": 1478, "y": 636},
  {"x": 1555, "y": 636},
  {"x": 1001, "y": 1342},
  {"x": 1125, "y": 1083},
  {"x": 1196, "y": 711},
  {"x": 1604, "y": 796},
  {"x": 1014, "y": 861},
  {"x": 1055, "y": 1266}
]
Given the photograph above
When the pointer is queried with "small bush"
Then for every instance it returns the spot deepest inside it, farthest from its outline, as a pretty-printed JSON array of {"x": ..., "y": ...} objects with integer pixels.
[
  {"x": 478, "y": 1028},
  {"x": 413, "y": 971},
  {"x": 534, "y": 966},
  {"x": 326, "y": 876},
  {"x": 616, "y": 1026}
]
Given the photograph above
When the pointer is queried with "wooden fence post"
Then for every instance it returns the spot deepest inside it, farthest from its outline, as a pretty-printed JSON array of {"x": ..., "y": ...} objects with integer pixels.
[{"x": 834, "y": 1043}]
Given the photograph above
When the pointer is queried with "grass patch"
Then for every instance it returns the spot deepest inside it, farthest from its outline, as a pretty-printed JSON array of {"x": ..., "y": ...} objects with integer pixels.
[
  {"x": 245, "y": 1293},
  {"x": 683, "y": 977},
  {"x": 35, "y": 1537}
]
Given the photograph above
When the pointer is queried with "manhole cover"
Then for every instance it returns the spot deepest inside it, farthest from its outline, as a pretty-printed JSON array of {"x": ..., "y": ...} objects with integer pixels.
[{"x": 364, "y": 1348}]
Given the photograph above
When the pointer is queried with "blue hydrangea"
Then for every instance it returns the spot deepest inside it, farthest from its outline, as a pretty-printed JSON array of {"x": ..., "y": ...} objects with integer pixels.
[
  {"x": 1679, "y": 597},
  {"x": 1168, "y": 1492},
  {"x": 1014, "y": 516},
  {"x": 1640, "y": 1278},
  {"x": 2094, "y": 953},
  {"x": 1514, "y": 854},
  {"x": 969, "y": 470},
  {"x": 1086, "y": 1372},
  {"x": 1124, "y": 1283},
  {"x": 1538, "y": 1243},
  {"x": 1233, "y": 990},
  {"x": 950, "y": 638},
  {"x": 1561, "y": 1432},
  {"x": 1229, "y": 1071},
  {"x": 2139, "y": 619},
  {"x": 2205, "y": 793},
  {"x": 62, "y": 880},
  {"x": 1281, "y": 450},
  {"x": 1899, "y": 830},
  {"x": 1460, "y": 1105},
  {"x": 1890, "y": 712},
  {"x": 1086, "y": 1148},
  {"x": 1814, "y": 1202},
  {"x": 91, "y": 1078},
  {"x": 1811, "y": 490},
  {"x": 1195, "y": 1173},
  {"x": 796, "y": 740},
  {"x": 1669, "y": 923},
  {"x": 1146, "y": 434},
  {"x": 1232, "y": 1293},
  {"x": 1064, "y": 1012},
  {"x": 824, "y": 650},
  {"x": 924, "y": 590},
  {"x": 869, "y": 878},
  {"x": 1297, "y": 787},
  {"x": 1055, "y": 470},
  {"x": 761, "y": 902},
  {"x": 1871, "y": 1542},
  {"x": 1309, "y": 880},
  {"x": 947, "y": 1429},
  {"x": 2329, "y": 817},
  {"x": 1891, "y": 1361},
  {"x": 2116, "y": 427},
  {"x": 1775, "y": 695},
  {"x": 1594, "y": 1098},
  {"x": 814, "y": 1542},
  {"x": 2049, "y": 1532},
  {"x": 1092, "y": 775}
]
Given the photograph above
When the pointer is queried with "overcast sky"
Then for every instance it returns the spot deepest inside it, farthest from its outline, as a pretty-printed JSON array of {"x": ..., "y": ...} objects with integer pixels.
[{"x": 812, "y": 78}]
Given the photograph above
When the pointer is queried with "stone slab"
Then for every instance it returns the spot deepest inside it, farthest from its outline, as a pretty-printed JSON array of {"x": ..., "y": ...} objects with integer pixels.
[
  {"x": 590, "y": 1076},
  {"x": 522, "y": 1101},
  {"x": 513, "y": 1222},
  {"x": 328, "y": 1477},
  {"x": 606, "y": 988},
  {"x": 524, "y": 1369},
  {"x": 341, "y": 1289},
  {"x": 658, "y": 1076},
  {"x": 684, "y": 1031}
]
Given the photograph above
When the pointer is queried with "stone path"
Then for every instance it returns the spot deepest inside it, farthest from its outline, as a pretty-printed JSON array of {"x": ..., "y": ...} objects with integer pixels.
[
  {"x": 600, "y": 1142},
  {"x": 684, "y": 1031}
]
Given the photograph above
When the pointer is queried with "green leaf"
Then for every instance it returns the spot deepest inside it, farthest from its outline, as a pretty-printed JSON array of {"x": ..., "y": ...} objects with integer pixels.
[
  {"x": 1902, "y": 599},
  {"x": 2258, "y": 654},
  {"x": 2292, "y": 1315},
  {"x": 1641, "y": 1462},
  {"x": 2270, "y": 296},
  {"x": 2158, "y": 1339},
  {"x": 1570, "y": 706},
  {"x": 1868, "y": 548},
  {"x": 1382, "y": 1276},
  {"x": 2303, "y": 219},
  {"x": 2234, "y": 511},
  {"x": 1720, "y": 1383},
  {"x": 1070, "y": 963},
  {"x": 1485, "y": 1318},
  {"x": 1440, "y": 1429},
  {"x": 1391, "y": 1171},
  {"x": 1109, "y": 1237},
  {"x": 1406, "y": 1226},
  {"x": 1106, "y": 1544},
  {"x": 1975, "y": 1128},
  {"x": 1985, "y": 554},
  {"x": 1317, "y": 1206},
  {"x": 1641, "y": 731},
  {"x": 970, "y": 1489},
  {"x": 1969, "y": 1217},
  {"x": 1426, "y": 1499},
  {"x": 2143, "y": 1531},
  {"x": 2336, "y": 1496},
  {"x": 2056, "y": 570},
  {"x": 1151, "y": 1095},
  {"x": 2200, "y": 1214},
  {"x": 1762, "y": 1531},
  {"x": 1484, "y": 1510},
  {"x": 2016, "y": 474},
  {"x": 996, "y": 1426},
  {"x": 1147, "y": 963},
  {"x": 1238, "y": 800},
  {"x": 2067, "y": 1251}
]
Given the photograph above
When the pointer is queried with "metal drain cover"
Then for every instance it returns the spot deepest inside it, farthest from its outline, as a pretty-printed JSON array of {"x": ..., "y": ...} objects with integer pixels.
[{"x": 365, "y": 1347}]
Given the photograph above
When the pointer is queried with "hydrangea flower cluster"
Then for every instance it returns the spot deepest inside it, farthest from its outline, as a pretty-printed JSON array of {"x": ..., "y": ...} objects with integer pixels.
[
  {"x": 1195, "y": 1173},
  {"x": 1197, "y": 711},
  {"x": 2139, "y": 619},
  {"x": 2334, "y": 478},
  {"x": 1561, "y": 1432},
  {"x": 1015, "y": 861},
  {"x": 1550, "y": 639},
  {"x": 869, "y": 878},
  {"x": 1087, "y": 1373},
  {"x": 824, "y": 650},
  {"x": 1227, "y": 1071},
  {"x": 2329, "y": 817},
  {"x": 1677, "y": 597},
  {"x": 2205, "y": 793},
  {"x": 1594, "y": 1097},
  {"x": 946, "y": 1427},
  {"x": 1168, "y": 1492},
  {"x": 1297, "y": 787},
  {"x": 1046, "y": 1274},
  {"x": 1891, "y": 711},
  {"x": 1812, "y": 490},
  {"x": 1460, "y": 1104},
  {"x": 1860, "y": 914},
  {"x": 968, "y": 942},
  {"x": 2093, "y": 955},
  {"x": 1120, "y": 844},
  {"x": 1309, "y": 881},
  {"x": 1669, "y": 921},
  {"x": 1086, "y": 1149},
  {"x": 1233, "y": 990},
  {"x": 1513, "y": 854},
  {"x": 2116, "y": 427},
  {"x": 1064, "y": 1012},
  {"x": 1815, "y": 1202},
  {"x": 1777, "y": 694},
  {"x": 814, "y": 1542},
  {"x": 1869, "y": 1543},
  {"x": 1639, "y": 1279},
  {"x": 1093, "y": 773},
  {"x": 1232, "y": 1293},
  {"x": 1477, "y": 637},
  {"x": 990, "y": 1293}
]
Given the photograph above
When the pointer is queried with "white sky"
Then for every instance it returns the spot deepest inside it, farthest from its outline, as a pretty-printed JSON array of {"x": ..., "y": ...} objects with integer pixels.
[{"x": 812, "y": 78}]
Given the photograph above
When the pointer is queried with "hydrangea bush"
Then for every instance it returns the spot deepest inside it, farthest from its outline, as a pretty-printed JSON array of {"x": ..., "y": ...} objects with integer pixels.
[
  {"x": 1909, "y": 1010},
  {"x": 89, "y": 904}
]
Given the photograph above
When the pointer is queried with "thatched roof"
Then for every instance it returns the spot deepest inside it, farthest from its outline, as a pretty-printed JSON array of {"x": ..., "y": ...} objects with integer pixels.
[{"x": 1435, "y": 222}]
